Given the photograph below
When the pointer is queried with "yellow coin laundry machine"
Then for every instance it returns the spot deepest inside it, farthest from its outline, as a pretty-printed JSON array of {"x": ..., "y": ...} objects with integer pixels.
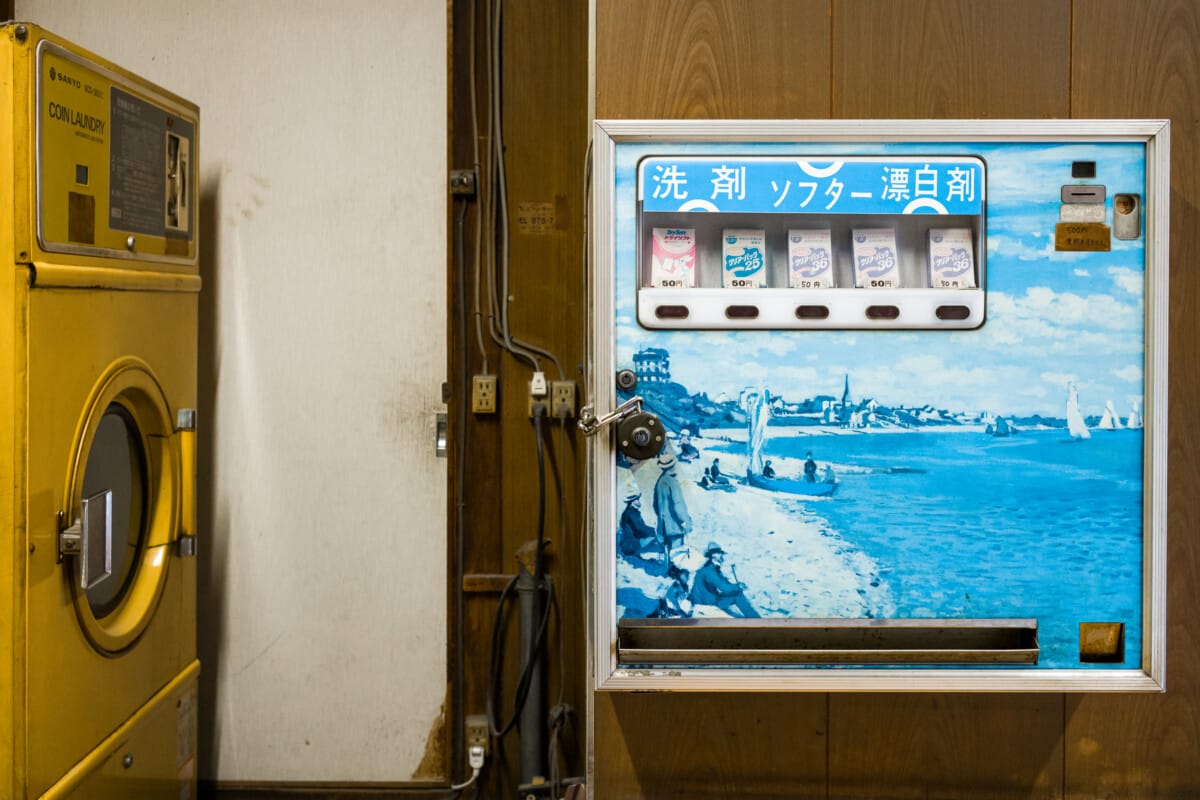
[{"x": 98, "y": 346}]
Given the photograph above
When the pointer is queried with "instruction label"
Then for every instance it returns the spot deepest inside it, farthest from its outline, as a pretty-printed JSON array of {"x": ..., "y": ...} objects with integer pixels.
[{"x": 1089, "y": 237}]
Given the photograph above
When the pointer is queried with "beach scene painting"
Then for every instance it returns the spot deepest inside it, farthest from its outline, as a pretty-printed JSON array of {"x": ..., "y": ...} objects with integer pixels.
[{"x": 987, "y": 473}]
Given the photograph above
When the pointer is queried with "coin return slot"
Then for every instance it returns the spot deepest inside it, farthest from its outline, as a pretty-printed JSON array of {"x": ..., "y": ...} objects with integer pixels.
[
  {"x": 812, "y": 312},
  {"x": 712, "y": 641},
  {"x": 883, "y": 312},
  {"x": 742, "y": 312},
  {"x": 953, "y": 312},
  {"x": 671, "y": 312}
]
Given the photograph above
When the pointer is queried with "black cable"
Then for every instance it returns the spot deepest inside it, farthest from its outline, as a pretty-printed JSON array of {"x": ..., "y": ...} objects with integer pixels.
[
  {"x": 542, "y": 583},
  {"x": 496, "y": 660}
]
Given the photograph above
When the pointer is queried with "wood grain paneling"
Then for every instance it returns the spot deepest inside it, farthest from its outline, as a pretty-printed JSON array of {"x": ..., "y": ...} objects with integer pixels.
[
  {"x": 1143, "y": 60},
  {"x": 951, "y": 746},
  {"x": 896, "y": 59},
  {"x": 696, "y": 746},
  {"x": 545, "y": 113},
  {"x": 712, "y": 59},
  {"x": 545, "y": 121},
  {"x": 939, "y": 59}
]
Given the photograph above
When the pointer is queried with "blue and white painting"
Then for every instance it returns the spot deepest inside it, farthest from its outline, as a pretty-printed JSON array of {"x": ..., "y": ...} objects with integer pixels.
[{"x": 987, "y": 473}]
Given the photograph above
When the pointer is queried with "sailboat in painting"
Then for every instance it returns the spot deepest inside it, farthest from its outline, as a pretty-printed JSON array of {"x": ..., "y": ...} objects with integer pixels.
[
  {"x": 1135, "y": 416},
  {"x": 1075, "y": 424},
  {"x": 1111, "y": 420}
]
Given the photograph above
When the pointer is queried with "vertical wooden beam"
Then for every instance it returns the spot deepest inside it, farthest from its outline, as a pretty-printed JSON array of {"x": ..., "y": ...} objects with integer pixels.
[
  {"x": 544, "y": 49},
  {"x": 1143, "y": 60}
]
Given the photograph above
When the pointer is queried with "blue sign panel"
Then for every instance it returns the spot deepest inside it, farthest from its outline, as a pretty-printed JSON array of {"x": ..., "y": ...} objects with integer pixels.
[{"x": 851, "y": 185}]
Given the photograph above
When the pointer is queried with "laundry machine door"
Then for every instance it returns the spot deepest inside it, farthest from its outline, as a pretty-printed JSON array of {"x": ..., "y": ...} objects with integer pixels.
[{"x": 127, "y": 461}]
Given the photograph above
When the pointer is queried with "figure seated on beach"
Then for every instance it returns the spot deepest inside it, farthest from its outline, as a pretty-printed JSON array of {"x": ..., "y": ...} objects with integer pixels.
[
  {"x": 713, "y": 588},
  {"x": 687, "y": 450}
]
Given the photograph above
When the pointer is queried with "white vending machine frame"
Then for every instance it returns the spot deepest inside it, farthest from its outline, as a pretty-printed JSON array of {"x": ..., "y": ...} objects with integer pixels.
[{"x": 606, "y": 671}]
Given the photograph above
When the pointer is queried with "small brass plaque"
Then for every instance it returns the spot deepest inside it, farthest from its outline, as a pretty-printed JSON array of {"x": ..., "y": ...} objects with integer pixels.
[
  {"x": 81, "y": 218},
  {"x": 1082, "y": 236}
]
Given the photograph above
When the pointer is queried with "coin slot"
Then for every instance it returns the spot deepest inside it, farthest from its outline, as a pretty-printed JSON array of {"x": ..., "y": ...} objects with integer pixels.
[
  {"x": 742, "y": 312},
  {"x": 953, "y": 312},
  {"x": 671, "y": 312},
  {"x": 1083, "y": 193},
  {"x": 812, "y": 312},
  {"x": 883, "y": 312},
  {"x": 1083, "y": 169}
]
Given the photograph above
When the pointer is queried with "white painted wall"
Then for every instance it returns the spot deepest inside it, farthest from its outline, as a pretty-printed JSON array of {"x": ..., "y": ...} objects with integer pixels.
[{"x": 323, "y": 172}]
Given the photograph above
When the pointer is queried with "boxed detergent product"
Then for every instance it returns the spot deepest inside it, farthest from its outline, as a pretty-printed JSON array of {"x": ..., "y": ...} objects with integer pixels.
[
  {"x": 744, "y": 258},
  {"x": 810, "y": 259},
  {"x": 673, "y": 258},
  {"x": 951, "y": 263},
  {"x": 876, "y": 260}
]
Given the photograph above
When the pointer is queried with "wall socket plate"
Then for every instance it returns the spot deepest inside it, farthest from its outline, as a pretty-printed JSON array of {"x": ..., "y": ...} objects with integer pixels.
[
  {"x": 477, "y": 732},
  {"x": 483, "y": 394},
  {"x": 562, "y": 399}
]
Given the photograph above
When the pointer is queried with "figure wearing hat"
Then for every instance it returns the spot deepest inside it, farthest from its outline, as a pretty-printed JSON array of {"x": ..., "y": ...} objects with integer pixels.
[
  {"x": 634, "y": 536},
  {"x": 673, "y": 518},
  {"x": 675, "y": 602},
  {"x": 712, "y": 588}
]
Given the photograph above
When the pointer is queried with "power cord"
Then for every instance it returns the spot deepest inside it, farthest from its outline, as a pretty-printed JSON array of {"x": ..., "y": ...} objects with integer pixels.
[{"x": 543, "y": 583}]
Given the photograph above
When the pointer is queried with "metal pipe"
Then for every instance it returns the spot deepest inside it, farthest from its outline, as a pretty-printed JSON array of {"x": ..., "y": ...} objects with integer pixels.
[{"x": 531, "y": 595}]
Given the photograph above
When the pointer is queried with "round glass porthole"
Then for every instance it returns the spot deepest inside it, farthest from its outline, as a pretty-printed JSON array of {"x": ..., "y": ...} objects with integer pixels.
[
  {"x": 117, "y": 464},
  {"x": 127, "y": 462}
]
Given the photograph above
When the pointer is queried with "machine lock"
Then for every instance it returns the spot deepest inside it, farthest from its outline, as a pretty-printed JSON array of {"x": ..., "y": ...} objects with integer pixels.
[{"x": 640, "y": 434}]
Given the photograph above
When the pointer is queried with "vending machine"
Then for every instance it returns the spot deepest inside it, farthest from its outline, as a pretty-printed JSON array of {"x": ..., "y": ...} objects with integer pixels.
[{"x": 878, "y": 405}]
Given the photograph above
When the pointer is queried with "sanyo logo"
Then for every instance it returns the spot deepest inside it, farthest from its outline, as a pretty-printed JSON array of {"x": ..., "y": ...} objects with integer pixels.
[{"x": 57, "y": 75}]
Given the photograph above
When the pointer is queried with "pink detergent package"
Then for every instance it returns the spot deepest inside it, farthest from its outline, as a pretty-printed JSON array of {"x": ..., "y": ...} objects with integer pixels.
[
  {"x": 673, "y": 261},
  {"x": 810, "y": 259}
]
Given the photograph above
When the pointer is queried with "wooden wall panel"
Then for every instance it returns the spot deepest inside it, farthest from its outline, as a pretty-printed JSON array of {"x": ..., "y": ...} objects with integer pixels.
[
  {"x": 544, "y": 49},
  {"x": 944, "y": 59},
  {"x": 945, "y": 746},
  {"x": 710, "y": 746},
  {"x": 712, "y": 59},
  {"x": 1143, "y": 60},
  {"x": 896, "y": 59}
]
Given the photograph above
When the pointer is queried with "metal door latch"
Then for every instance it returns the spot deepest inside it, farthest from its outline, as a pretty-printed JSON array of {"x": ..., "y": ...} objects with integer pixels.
[
  {"x": 70, "y": 538},
  {"x": 589, "y": 423},
  {"x": 640, "y": 434}
]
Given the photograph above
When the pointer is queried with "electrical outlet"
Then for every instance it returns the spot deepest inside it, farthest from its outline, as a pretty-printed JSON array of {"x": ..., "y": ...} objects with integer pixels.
[
  {"x": 562, "y": 399},
  {"x": 478, "y": 734},
  {"x": 483, "y": 394}
]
